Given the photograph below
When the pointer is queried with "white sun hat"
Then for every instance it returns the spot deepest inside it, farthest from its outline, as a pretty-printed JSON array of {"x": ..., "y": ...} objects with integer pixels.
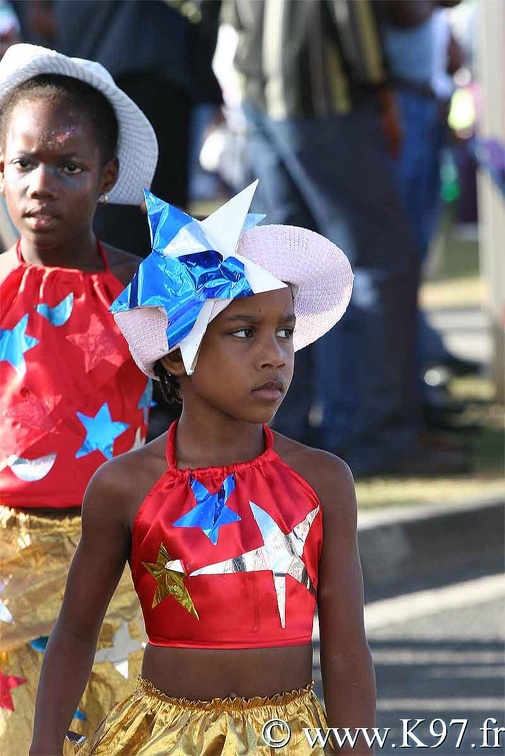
[
  {"x": 166, "y": 286},
  {"x": 137, "y": 149}
]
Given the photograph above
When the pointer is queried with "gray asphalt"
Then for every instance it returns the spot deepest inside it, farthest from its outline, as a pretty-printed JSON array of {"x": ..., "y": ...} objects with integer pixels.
[{"x": 446, "y": 666}]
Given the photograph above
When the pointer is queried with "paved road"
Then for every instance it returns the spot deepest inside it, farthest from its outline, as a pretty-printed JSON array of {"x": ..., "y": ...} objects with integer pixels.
[
  {"x": 466, "y": 331},
  {"x": 439, "y": 656}
]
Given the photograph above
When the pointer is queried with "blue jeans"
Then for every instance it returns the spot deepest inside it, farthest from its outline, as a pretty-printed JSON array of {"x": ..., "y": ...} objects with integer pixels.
[
  {"x": 331, "y": 174},
  {"x": 417, "y": 175}
]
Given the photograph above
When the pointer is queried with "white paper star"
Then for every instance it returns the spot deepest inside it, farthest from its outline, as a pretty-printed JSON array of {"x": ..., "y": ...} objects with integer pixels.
[
  {"x": 280, "y": 553},
  {"x": 5, "y": 615},
  {"x": 118, "y": 653}
]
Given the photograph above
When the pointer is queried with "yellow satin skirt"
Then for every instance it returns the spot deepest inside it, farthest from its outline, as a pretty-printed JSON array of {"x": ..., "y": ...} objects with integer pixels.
[
  {"x": 149, "y": 723},
  {"x": 35, "y": 555}
]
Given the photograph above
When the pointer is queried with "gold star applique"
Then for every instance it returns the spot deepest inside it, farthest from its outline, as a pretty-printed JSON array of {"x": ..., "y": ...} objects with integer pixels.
[{"x": 170, "y": 578}]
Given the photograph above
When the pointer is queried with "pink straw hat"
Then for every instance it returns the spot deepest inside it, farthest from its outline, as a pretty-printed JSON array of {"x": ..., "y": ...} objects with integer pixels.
[{"x": 317, "y": 269}]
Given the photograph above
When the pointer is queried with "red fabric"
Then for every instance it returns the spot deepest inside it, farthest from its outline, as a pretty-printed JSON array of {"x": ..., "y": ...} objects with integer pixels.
[
  {"x": 237, "y": 610},
  {"x": 75, "y": 367}
]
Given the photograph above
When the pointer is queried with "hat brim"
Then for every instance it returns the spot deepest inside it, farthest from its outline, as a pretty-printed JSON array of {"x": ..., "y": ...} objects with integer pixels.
[
  {"x": 317, "y": 268},
  {"x": 137, "y": 144}
]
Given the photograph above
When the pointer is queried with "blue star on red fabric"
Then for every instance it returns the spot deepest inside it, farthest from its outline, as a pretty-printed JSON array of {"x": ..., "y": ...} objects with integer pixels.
[
  {"x": 211, "y": 512},
  {"x": 101, "y": 432},
  {"x": 14, "y": 343},
  {"x": 60, "y": 313},
  {"x": 145, "y": 401}
]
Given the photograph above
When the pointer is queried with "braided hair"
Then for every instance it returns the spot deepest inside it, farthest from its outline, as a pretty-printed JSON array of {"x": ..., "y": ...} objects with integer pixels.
[{"x": 169, "y": 384}]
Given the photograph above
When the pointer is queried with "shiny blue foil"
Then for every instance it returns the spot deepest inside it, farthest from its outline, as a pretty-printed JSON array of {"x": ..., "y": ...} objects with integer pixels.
[
  {"x": 182, "y": 284},
  {"x": 210, "y": 512}
]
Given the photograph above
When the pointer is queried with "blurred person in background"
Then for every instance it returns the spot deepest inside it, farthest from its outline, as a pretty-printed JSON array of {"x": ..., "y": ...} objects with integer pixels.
[
  {"x": 9, "y": 27},
  {"x": 323, "y": 125},
  {"x": 422, "y": 55}
]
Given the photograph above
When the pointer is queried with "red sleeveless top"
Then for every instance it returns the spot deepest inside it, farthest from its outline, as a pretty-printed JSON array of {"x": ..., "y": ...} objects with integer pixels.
[
  {"x": 227, "y": 557},
  {"x": 71, "y": 396}
]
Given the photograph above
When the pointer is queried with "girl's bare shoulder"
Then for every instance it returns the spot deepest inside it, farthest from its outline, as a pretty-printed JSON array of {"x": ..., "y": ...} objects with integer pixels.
[
  {"x": 8, "y": 261},
  {"x": 327, "y": 474},
  {"x": 121, "y": 484}
]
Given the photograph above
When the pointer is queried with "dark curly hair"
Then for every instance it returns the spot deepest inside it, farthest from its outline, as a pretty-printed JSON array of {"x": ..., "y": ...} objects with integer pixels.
[{"x": 169, "y": 384}]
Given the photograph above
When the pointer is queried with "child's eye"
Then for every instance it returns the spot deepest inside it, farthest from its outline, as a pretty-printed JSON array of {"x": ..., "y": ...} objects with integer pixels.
[
  {"x": 22, "y": 163},
  {"x": 72, "y": 168},
  {"x": 243, "y": 333},
  {"x": 286, "y": 333}
]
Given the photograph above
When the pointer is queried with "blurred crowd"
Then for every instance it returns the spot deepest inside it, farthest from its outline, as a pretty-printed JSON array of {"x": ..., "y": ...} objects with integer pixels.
[{"x": 341, "y": 108}]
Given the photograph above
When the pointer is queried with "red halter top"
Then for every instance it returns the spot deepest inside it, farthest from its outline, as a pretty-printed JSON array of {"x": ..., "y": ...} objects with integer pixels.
[
  {"x": 71, "y": 396},
  {"x": 227, "y": 557}
]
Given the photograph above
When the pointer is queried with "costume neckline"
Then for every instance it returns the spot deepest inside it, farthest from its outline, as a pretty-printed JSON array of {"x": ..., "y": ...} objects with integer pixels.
[
  {"x": 101, "y": 252},
  {"x": 265, "y": 456}
]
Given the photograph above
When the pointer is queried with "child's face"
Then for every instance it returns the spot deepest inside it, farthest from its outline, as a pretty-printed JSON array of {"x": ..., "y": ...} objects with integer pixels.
[
  {"x": 52, "y": 172},
  {"x": 245, "y": 363}
]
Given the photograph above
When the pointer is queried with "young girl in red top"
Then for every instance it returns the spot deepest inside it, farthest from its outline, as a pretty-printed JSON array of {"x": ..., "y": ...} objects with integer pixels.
[
  {"x": 71, "y": 396},
  {"x": 233, "y": 533}
]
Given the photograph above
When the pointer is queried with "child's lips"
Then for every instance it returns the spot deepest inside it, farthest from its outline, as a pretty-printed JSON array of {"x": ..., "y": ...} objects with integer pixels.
[
  {"x": 41, "y": 219},
  {"x": 271, "y": 391}
]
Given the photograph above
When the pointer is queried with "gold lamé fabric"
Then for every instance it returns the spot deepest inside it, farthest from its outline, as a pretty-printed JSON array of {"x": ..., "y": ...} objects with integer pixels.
[
  {"x": 35, "y": 555},
  {"x": 148, "y": 723}
]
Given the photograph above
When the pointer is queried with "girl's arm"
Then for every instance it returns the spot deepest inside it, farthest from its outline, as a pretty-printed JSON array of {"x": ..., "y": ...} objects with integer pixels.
[
  {"x": 346, "y": 663},
  {"x": 94, "y": 573}
]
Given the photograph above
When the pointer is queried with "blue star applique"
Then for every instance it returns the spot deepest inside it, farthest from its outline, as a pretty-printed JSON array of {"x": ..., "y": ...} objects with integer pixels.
[
  {"x": 14, "y": 343},
  {"x": 145, "y": 400},
  {"x": 211, "y": 511},
  {"x": 60, "y": 313},
  {"x": 39, "y": 644},
  {"x": 101, "y": 432}
]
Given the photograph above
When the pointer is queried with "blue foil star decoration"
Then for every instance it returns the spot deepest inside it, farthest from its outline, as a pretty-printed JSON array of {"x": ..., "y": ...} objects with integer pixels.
[
  {"x": 60, "y": 313},
  {"x": 14, "y": 343},
  {"x": 191, "y": 262},
  {"x": 211, "y": 512},
  {"x": 101, "y": 432},
  {"x": 39, "y": 644},
  {"x": 182, "y": 285},
  {"x": 145, "y": 400}
]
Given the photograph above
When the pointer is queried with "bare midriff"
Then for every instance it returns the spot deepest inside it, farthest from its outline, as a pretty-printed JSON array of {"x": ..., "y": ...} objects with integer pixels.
[{"x": 202, "y": 674}]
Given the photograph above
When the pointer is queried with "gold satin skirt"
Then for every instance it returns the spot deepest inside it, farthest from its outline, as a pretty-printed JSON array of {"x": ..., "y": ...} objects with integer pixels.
[
  {"x": 149, "y": 723},
  {"x": 35, "y": 554}
]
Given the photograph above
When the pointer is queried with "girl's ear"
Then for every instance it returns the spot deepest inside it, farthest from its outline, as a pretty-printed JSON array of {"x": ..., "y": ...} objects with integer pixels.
[
  {"x": 109, "y": 175},
  {"x": 173, "y": 363}
]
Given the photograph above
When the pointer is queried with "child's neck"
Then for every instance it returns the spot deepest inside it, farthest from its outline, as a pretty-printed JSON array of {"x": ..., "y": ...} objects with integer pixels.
[
  {"x": 201, "y": 444},
  {"x": 79, "y": 253}
]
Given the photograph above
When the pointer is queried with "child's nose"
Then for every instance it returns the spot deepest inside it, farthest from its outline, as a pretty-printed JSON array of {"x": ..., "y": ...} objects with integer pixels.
[
  {"x": 273, "y": 353},
  {"x": 42, "y": 182}
]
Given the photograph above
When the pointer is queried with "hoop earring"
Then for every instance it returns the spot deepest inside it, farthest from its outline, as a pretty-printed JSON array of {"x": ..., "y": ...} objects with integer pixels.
[{"x": 104, "y": 198}]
